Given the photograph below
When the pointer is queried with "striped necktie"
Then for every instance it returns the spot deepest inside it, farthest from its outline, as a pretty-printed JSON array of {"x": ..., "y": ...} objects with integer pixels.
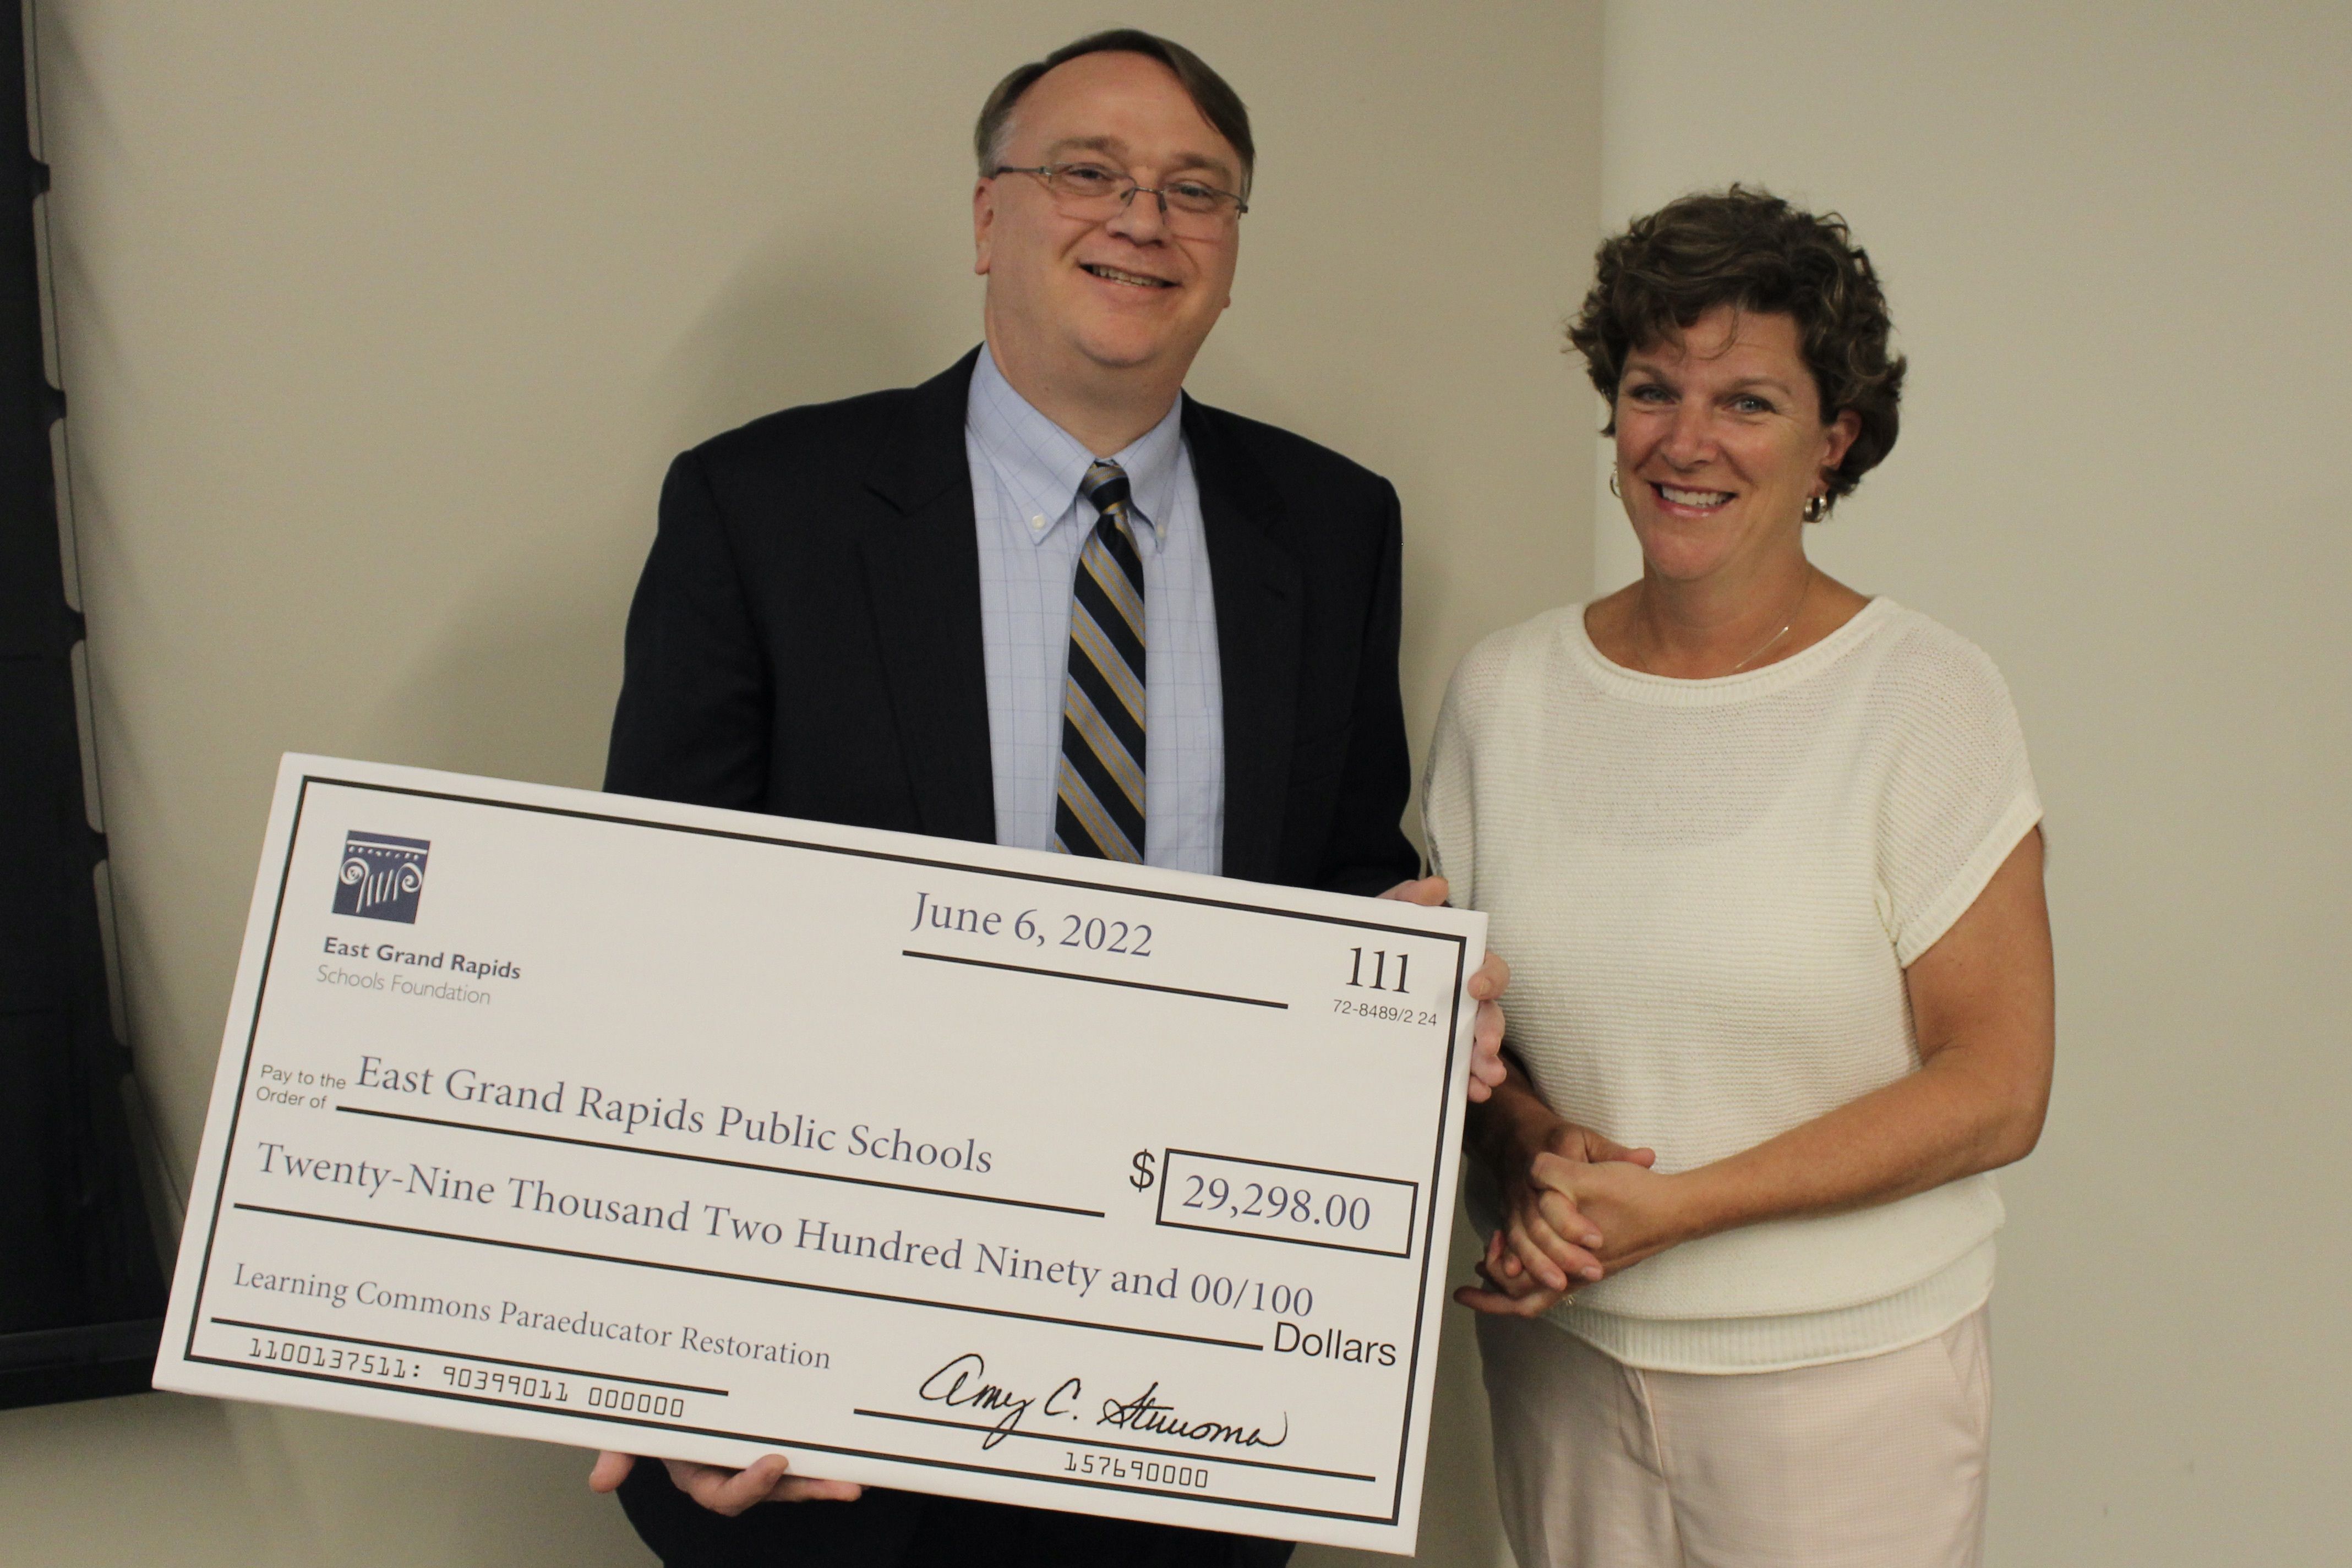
[{"x": 1099, "y": 787}]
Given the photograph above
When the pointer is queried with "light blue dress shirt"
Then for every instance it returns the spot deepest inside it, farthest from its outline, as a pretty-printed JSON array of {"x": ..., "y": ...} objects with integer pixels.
[{"x": 1033, "y": 523}]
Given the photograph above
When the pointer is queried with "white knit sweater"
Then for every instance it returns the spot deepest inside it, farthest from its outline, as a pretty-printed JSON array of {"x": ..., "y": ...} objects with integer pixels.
[{"x": 1707, "y": 892}]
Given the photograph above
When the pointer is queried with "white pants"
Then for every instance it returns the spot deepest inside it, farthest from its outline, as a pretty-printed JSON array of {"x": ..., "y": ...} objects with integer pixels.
[{"x": 1876, "y": 1463}]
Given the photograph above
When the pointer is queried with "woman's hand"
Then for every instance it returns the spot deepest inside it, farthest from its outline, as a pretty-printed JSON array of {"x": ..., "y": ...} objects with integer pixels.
[
  {"x": 1620, "y": 1211},
  {"x": 1638, "y": 1212},
  {"x": 1548, "y": 1243},
  {"x": 722, "y": 1490},
  {"x": 1511, "y": 1291}
]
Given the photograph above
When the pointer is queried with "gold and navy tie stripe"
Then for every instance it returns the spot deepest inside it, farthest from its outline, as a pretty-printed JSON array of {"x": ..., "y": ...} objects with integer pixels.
[{"x": 1099, "y": 787}]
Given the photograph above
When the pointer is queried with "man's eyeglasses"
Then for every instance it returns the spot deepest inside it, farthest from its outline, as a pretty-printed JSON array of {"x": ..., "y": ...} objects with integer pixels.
[{"x": 1193, "y": 210}]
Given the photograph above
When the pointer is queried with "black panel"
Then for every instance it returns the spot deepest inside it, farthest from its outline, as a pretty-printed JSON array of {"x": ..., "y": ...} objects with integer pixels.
[{"x": 80, "y": 1289}]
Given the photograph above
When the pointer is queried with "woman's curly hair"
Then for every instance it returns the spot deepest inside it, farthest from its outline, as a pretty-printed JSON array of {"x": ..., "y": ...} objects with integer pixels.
[{"x": 1751, "y": 250}]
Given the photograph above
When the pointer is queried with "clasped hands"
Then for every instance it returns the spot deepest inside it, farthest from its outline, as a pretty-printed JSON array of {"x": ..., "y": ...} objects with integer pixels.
[
  {"x": 765, "y": 1480},
  {"x": 1577, "y": 1207}
]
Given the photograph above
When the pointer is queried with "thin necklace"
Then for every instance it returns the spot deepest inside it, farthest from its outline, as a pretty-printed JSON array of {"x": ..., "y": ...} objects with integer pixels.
[{"x": 1794, "y": 610}]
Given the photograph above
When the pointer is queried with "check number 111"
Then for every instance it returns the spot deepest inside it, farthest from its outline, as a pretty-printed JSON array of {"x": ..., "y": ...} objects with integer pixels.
[{"x": 1379, "y": 962}]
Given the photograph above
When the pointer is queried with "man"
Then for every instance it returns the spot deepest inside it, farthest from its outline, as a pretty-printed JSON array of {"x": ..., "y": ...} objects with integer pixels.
[{"x": 994, "y": 606}]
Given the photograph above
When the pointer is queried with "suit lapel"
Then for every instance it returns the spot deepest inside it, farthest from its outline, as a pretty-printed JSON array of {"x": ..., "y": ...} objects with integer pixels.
[
  {"x": 922, "y": 578},
  {"x": 1258, "y": 594}
]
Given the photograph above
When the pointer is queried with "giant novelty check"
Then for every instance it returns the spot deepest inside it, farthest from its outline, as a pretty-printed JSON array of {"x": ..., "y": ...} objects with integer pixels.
[{"x": 938, "y": 1165}]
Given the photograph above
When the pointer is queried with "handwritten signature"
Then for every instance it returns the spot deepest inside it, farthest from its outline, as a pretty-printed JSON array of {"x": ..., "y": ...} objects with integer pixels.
[
  {"x": 958, "y": 1385},
  {"x": 962, "y": 1385},
  {"x": 1145, "y": 1413}
]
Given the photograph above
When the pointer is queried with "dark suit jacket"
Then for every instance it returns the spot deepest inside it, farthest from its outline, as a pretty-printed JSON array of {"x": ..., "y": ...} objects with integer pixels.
[{"x": 806, "y": 641}]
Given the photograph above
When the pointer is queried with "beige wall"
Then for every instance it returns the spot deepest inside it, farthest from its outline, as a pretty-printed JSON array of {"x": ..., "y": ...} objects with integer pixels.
[
  {"x": 380, "y": 324},
  {"x": 2116, "y": 239}
]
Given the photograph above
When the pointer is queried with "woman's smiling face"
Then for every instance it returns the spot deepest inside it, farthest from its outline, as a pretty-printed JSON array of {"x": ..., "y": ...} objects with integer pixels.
[{"x": 1720, "y": 443}]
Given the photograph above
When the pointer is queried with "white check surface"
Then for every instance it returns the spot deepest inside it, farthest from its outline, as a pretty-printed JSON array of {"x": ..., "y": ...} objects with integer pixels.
[{"x": 937, "y": 1165}]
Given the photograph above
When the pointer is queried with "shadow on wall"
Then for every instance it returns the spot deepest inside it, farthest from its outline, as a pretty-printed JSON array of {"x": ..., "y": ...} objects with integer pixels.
[
  {"x": 519, "y": 682},
  {"x": 809, "y": 319}
]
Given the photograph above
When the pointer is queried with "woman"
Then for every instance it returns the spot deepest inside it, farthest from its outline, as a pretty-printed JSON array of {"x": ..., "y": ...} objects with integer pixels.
[{"x": 1763, "y": 853}]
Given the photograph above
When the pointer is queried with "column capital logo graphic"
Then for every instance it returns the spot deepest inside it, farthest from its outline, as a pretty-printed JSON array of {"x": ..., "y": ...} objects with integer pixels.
[{"x": 382, "y": 877}]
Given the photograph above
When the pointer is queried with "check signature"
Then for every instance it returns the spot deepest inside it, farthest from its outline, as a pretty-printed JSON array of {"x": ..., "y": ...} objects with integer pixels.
[
  {"x": 1145, "y": 1413},
  {"x": 963, "y": 1384}
]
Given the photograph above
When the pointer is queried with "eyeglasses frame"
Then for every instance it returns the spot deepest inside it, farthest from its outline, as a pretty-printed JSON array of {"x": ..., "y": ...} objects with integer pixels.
[{"x": 1135, "y": 188}]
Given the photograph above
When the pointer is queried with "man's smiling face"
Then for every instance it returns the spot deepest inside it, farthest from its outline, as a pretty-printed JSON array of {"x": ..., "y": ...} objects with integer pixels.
[{"x": 1071, "y": 299}]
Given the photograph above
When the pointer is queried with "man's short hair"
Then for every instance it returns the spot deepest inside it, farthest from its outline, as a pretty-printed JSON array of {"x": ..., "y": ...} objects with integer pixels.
[{"x": 1219, "y": 104}]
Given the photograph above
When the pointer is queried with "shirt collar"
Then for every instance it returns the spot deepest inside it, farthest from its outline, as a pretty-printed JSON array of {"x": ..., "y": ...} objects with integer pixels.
[{"x": 1041, "y": 463}]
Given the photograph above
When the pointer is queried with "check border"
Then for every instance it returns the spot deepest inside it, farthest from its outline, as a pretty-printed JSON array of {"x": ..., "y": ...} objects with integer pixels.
[{"x": 1428, "y": 1223}]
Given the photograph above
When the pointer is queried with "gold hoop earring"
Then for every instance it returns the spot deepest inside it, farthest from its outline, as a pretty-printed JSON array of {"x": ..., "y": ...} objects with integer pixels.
[
  {"x": 1817, "y": 507},
  {"x": 1612, "y": 484}
]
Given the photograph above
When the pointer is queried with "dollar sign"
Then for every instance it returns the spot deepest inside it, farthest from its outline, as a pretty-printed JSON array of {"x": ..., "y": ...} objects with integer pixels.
[{"x": 1143, "y": 1177}]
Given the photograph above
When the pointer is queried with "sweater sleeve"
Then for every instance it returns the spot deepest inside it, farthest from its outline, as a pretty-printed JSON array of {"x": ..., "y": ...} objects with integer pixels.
[
  {"x": 1449, "y": 814},
  {"x": 1959, "y": 794}
]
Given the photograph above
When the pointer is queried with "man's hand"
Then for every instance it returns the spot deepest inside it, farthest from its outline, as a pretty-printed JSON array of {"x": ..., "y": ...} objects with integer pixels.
[
  {"x": 727, "y": 1491},
  {"x": 1487, "y": 988}
]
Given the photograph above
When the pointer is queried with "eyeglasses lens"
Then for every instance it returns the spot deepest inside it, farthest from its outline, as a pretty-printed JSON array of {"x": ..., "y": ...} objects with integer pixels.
[{"x": 1192, "y": 209}]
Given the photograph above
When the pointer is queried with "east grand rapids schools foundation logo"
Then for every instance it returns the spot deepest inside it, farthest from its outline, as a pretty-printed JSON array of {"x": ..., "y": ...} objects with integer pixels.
[{"x": 383, "y": 877}]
